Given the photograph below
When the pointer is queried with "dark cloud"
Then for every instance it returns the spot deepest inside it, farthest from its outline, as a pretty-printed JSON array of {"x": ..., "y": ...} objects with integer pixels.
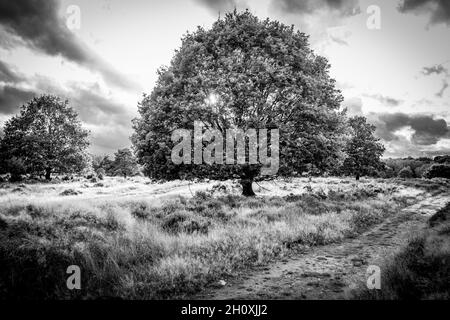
[
  {"x": 427, "y": 130},
  {"x": 91, "y": 104},
  {"x": 343, "y": 7},
  {"x": 387, "y": 101},
  {"x": 440, "y": 94},
  {"x": 220, "y": 5},
  {"x": 7, "y": 74},
  {"x": 439, "y": 9},
  {"x": 38, "y": 25},
  {"x": 96, "y": 109},
  {"x": 437, "y": 69},
  {"x": 11, "y": 98}
]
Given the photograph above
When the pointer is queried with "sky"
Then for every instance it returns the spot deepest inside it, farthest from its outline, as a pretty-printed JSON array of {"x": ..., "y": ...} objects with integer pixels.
[{"x": 390, "y": 59}]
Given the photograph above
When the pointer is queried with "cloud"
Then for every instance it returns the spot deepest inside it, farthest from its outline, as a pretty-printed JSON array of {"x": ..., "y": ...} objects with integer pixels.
[
  {"x": 221, "y": 5},
  {"x": 440, "y": 94},
  {"x": 437, "y": 69},
  {"x": 11, "y": 98},
  {"x": 7, "y": 74},
  {"x": 92, "y": 104},
  {"x": 439, "y": 9},
  {"x": 354, "y": 106},
  {"x": 387, "y": 101},
  {"x": 37, "y": 24},
  {"x": 338, "y": 40},
  {"x": 342, "y": 7},
  {"x": 425, "y": 129}
]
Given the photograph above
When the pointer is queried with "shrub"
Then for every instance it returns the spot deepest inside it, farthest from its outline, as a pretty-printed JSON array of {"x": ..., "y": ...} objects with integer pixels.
[
  {"x": 70, "y": 192},
  {"x": 100, "y": 173},
  {"x": 438, "y": 171},
  {"x": 184, "y": 221},
  {"x": 406, "y": 173}
]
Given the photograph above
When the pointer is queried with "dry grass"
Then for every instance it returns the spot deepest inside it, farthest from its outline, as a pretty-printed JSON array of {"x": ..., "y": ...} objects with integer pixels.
[{"x": 130, "y": 243}]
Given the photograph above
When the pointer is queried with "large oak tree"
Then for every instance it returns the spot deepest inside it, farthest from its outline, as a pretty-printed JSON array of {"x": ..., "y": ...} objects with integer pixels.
[{"x": 243, "y": 73}]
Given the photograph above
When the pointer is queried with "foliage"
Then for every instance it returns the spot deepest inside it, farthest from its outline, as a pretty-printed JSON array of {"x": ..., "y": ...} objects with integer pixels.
[
  {"x": 363, "y": 150},
  {"x": 417, "y": 165},
  {"x": 46, "y": 136},
  {"x": 243, "y": 73},
  {"x": 438, "y": 171},
  {"x": 124, "y": 163},
  {"x": 442, "y": 159},
  {"x": 406, "y": 172}
]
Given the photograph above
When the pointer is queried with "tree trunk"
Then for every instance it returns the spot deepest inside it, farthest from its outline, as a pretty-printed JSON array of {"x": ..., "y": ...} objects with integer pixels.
[
  {"x": 48, "y": 173},
  {"x": 248, "y": 175},
  {"x": 247, "y": 189}
]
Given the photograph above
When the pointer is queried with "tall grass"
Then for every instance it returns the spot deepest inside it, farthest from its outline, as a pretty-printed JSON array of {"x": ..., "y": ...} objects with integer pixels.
[
  {"x": 421, "y": 270},
  {"x": 143, "y": 250}
]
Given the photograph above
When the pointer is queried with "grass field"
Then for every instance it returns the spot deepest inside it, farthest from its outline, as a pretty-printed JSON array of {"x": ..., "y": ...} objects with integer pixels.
[{"x": 141, "y": 240}]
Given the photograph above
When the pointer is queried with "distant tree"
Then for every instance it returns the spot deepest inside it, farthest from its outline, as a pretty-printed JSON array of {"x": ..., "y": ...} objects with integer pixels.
[
  {"x": 438, "y": 171},
  {"x": 388, "y": 172},
  {"x": 46, "y": 137},
  {"x": 243, "y": 73},
  {"x": 406, "y": 173},
  {"x": 421, "y": 171},
  {"x": 442, "y": 159},
  {"x": 103, "y": 163},
  {"x": 125, "y": 163},
  {"x": 363, "y": 150},
  {"x": 416, "y": 165}
]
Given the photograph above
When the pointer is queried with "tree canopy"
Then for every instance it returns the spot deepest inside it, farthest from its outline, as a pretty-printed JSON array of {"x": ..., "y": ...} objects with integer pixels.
[
  {"x": 243, "y": 73},
  {"x": 45, "y": 137},
  {"x": 363, "y": 150},
  {"x": 124, "y": 163}
]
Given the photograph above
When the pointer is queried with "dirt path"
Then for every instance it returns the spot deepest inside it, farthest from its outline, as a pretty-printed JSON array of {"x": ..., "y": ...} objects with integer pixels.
[{"x": 332, "y": 271}]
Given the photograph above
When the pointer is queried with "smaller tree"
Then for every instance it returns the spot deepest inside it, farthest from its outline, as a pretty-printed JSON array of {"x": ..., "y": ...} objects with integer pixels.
[
  {"x": 363, "y": 150},
  {"x": 125, "y": 163},
  {"x": 103, "y": 164},
  {"x": 406, "y": 173},
  {"x": 46, "y": 136}
]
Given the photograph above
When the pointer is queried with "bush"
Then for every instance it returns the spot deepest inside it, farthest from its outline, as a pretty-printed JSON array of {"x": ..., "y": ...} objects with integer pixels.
[
  {"x": 438, "y": 171},
  {"x": 406, "y": 173},
  {"x": 184, "y": 221},
  {"x": 70, "y": 192}
]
